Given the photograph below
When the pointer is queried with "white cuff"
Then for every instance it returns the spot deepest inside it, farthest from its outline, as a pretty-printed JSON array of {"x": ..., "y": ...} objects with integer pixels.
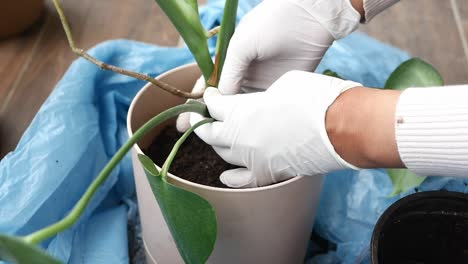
[
  {"x": 431, "y": 129},
  {"x": 374, "y": 7},
  {"x": 337, "y": 16}
]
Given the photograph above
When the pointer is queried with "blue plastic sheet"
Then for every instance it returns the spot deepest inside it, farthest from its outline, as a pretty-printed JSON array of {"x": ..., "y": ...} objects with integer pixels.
[{"x": 82, "y": 124}]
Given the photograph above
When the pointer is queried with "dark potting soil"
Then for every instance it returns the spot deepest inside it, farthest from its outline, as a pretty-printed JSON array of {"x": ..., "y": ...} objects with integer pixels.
[
  {"x": 195, "y": 161},
  {"x": 426, "y": 238}
]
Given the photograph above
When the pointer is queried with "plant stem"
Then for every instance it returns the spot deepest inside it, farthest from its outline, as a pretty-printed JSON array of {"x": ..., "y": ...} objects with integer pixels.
[
  {"x": 79, "y": 208},
  {"x": 175, "y": 148},
  {"x": 140, "y": 76},
  {"x": 228, "y": 25},
  {"x": 212, "y": 32}
]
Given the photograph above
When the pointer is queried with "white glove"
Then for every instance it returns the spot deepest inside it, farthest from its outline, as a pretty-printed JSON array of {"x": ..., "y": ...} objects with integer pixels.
[
  {"x": 183, "y": 120},
  {"x": 277, "y": 134},
  {"x": 278, "y": 36}
]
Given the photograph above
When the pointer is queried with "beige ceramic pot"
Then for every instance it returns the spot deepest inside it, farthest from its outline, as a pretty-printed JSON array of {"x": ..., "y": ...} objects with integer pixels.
[
  {"x": 260, "y": 225},
  {"x": 18, "y": 15}
]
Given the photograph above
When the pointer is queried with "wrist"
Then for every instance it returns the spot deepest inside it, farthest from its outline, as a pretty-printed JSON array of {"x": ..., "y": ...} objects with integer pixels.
[
  {"x": 360, "y": 126},
  {"x": 359, "y": 6}
]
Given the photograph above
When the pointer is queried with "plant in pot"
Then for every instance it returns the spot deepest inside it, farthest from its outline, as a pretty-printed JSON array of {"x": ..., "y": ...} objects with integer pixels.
[
  {"x": 194, "y": 223},
  {"x": 185, "y": 221}
]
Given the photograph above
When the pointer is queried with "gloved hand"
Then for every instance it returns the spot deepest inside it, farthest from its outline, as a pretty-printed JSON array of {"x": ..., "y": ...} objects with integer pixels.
[
  {"x": 278, "y": 36},
  {"x": 183, "y": 120},
  {"x": 277, "y": 134}
]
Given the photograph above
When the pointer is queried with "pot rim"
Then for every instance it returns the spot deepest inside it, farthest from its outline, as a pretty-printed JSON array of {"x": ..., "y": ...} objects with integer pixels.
[
  {"x": 193, "y": 184},
  {"x": 396, "y": 205}
]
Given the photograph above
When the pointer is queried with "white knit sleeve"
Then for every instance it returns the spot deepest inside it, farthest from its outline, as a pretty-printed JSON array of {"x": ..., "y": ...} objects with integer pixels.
[
  {"x": 374, "y": 7},
  {"x": 431, "y": 128}
]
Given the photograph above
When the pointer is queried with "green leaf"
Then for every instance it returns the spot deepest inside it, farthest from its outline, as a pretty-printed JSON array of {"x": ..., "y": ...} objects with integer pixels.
[
  {"x": 403, "y": 180},
  {"x": 190, "y": 218},
  {"x": 331, "y": 73},
  {"x": 148, "y": 165},
  {"x": 411, "y": 73},
  {"x": 16, "y": 250},
  {"x": 184, "y": 16},
  {"x": 414, "y": 73}
]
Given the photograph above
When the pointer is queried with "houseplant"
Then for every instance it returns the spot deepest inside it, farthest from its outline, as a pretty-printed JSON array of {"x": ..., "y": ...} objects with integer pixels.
[
  {"x": 22, "y": 250},
  {"x": 34, "y": 238},
  {"x": 304, "y": 189}
]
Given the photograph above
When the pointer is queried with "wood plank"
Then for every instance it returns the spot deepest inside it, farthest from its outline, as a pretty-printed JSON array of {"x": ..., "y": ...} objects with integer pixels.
[
  {"x": 92, "y": 22},
  {"x": 463, "y": 7},
  {"x": 426, "y": 29},
  {"x": 14, "y": 55}
]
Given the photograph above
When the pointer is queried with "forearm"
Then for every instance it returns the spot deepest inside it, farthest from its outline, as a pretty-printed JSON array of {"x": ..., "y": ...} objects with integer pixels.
[
  {"x": 425, "y": 129},
  {"x": 360, "y": 125}
]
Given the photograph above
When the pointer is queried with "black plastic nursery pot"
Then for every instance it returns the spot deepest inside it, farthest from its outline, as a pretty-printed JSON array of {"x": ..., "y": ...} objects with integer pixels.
[{"x": 424, "y": 228}]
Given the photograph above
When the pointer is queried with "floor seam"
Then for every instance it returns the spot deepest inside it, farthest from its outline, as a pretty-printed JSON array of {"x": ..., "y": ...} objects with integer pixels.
[
  {"x": 24, "y": 68},
  {"x": 461, "y": 30}
]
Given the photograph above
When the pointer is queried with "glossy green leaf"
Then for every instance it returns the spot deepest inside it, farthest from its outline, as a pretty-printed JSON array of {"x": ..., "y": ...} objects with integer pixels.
[
  {"x": 331, "y": 73},
  {"x": 190, "y": 218},
  {"x": 403, "y": 180},
  {"x": 184, "y": 16},
  {"x": 16, "y": 250},
  {"x": 414, "y": 73},
  {"x": 411, "y": 73}
]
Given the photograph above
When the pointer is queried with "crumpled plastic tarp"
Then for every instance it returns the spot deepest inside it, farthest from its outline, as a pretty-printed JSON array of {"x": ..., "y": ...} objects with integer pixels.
[{"x": 82, "y": 124}]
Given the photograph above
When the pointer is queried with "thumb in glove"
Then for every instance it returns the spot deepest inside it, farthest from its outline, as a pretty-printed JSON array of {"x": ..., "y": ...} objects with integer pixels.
[{"x": 183, "y": 120}]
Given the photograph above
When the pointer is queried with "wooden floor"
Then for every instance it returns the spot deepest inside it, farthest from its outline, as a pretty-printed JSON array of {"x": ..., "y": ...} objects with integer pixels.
[
  {"x": 434, "y": 30},
  {"x": 32, "y": 63}
]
